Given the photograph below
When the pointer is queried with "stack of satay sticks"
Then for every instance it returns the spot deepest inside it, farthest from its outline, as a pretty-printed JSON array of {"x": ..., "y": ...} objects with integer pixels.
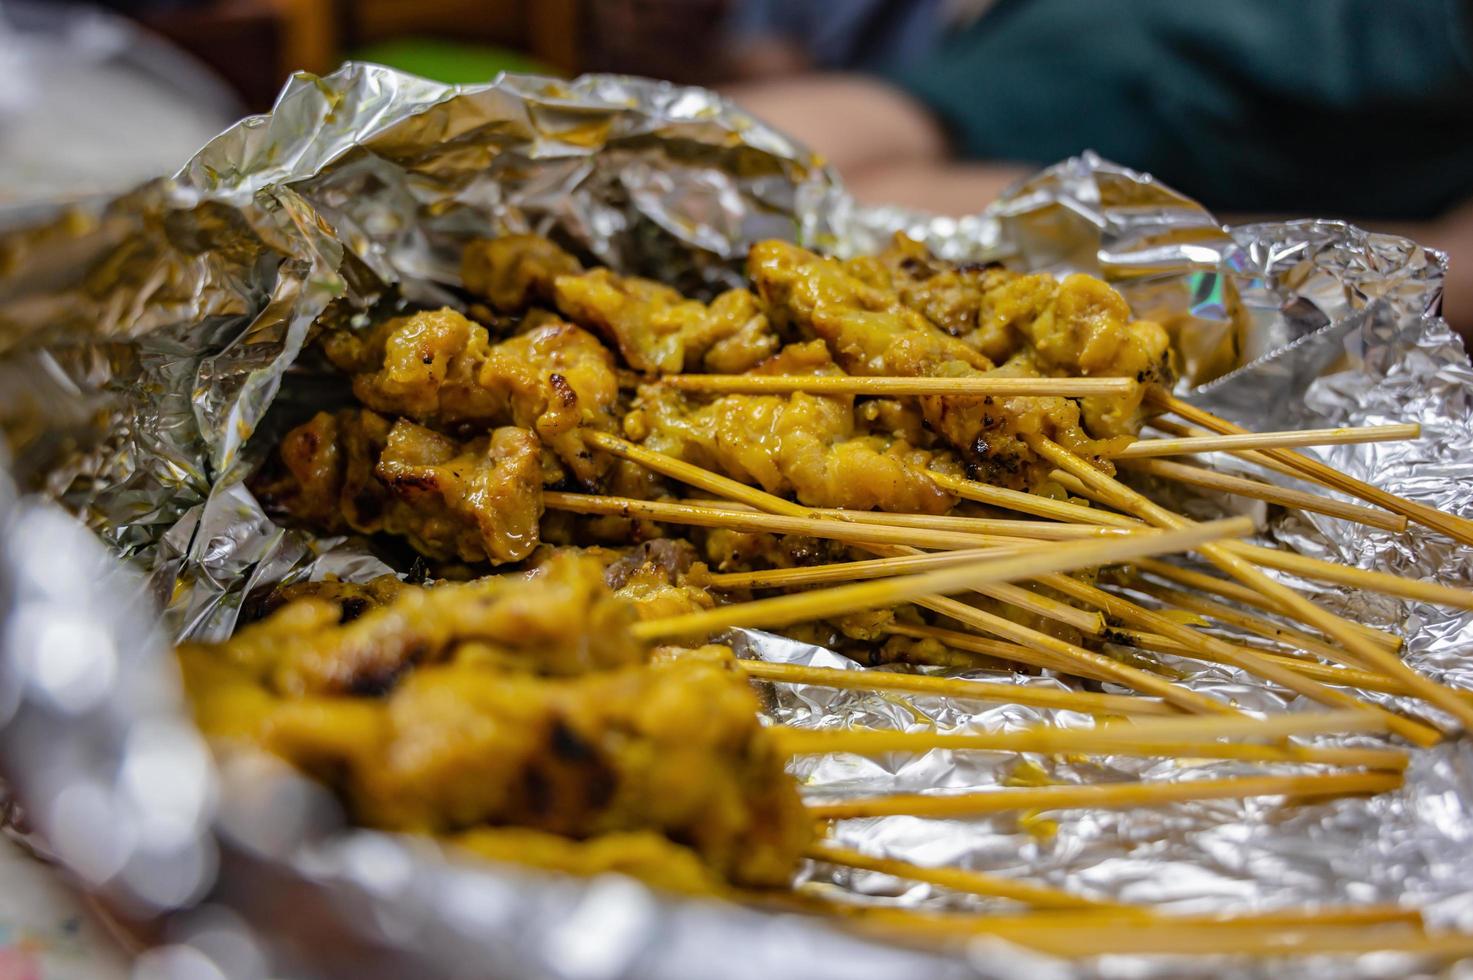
[{"x": 603, "y": 477}]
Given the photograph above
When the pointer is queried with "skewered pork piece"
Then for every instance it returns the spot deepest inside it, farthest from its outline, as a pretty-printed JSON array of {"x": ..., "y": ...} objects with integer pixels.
[
  {"x": 558, "y": 619},
  {"x": 467, "y": 734},
  {"x": 953, "y": 297},
  {"x": 1079, "y": 326},
  {"x": 514, "y": 272},
  {"x": 473, "y": 501},
  {"x": 812, "y": 447},
  {"x": 441, "y": 370},
  {"x": 648, "y": 856},
  {"x": 657, "y": 330},
  {"x": 675, "y": 748},
  {"x": 352, "y": 599},
  {"x": 654, "y": 327}
]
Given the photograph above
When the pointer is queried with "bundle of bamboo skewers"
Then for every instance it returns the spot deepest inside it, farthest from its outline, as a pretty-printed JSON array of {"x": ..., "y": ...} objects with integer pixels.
[{"x": 1359, "y": 657}]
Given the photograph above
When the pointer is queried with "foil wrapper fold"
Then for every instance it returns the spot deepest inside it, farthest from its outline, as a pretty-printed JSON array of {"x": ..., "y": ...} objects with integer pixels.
[{"x": 149, "y": 355}]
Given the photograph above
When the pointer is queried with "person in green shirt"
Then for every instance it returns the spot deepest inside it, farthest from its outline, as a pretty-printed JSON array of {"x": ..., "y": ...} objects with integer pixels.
[{"x": 1361, "y": 109}]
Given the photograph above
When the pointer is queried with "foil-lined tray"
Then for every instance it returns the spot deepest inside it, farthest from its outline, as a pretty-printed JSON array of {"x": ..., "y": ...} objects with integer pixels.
[{"x": 149, "y": 355}]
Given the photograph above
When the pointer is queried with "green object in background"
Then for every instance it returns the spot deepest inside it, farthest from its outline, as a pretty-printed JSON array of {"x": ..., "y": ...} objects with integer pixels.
[{"x": 449, "y": 62}]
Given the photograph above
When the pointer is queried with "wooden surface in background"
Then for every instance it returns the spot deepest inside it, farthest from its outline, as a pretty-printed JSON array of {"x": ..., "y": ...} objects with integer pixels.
[{"x": 256, "y": 44}]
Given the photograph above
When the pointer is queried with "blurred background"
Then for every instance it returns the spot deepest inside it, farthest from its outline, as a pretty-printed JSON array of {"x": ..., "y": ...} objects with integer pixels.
[{"x": 1361, "y": 109}]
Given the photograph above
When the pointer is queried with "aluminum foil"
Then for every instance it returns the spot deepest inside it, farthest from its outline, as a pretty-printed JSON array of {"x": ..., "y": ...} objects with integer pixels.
[{"x": 149, "y": 352}]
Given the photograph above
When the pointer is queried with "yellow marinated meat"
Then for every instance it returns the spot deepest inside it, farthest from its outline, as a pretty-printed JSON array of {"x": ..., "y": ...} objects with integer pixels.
[
  {"x": 425, "y": 366},
  {"x": 800, "y": 444},
  {"x": 657, "y": 330},
  {"x": 353, "y": 599},
  {"x": 869, "y": 331},
  {"x": 675, "y": 749},
  {"x": 1077, "y": 327},
  {"x": 726, "y": 550},
  {"x": 475, "y": 501},
  {"x": 650, "y": 857},
  {"x": 652, "y": 577},
  {"x": 440, "y": 369},
  {"x": 654, "y": 327},
  {"x": 1086, "y": 330},
  {"x": 558, "y": 619},
  {"x": 514, "y": 271},
  {"x": 953, "y": 297},
  {"x": 491, "y": 486}
]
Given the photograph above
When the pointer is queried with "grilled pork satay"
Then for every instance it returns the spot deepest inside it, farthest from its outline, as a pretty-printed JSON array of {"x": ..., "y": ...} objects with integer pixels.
[
  {"x": 955, "y": 298},
  {"x": 352, "y": 599},
  {"x": 675, "y": 748},
  {"x": 1078, "y": 326},
  {"x": 440, "y": 369},
  {"x": 559, "y": 619},
  {"x": 657, "y": 330},
  {"x": 812, "y": 447},
  {"x": 654, "y": 327},
  {"x": 473, "y": 501},
  {"x": 514, "y": 272},
  {"x": 652, "y": 577},
  {"x": 650, "y": 857}
]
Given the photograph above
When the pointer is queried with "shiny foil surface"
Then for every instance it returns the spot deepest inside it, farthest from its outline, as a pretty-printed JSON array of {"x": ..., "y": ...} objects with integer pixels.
[{"x": 144, "y": 339}]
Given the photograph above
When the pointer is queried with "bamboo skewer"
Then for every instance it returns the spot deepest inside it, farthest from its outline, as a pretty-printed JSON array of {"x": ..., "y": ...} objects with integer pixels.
[
  {"x": 1085, "y": 702},
  {"x": 1080, "y": 619},
  {"x": 1029, "y": 503},
  {"x": 787, "y": 609},
  {"x": 1077, "y": 660},
  {"x": 853, "y": 532},
  {"x": 1183, "y": 431},
  {"x": 1094, "y": 933},
  {"x": 1324, "y": 571},
  {"x": 1106, "y": 795},
  {"x": 1054, "y": 653},
  {"x": 1288, "y": 601},
  {"x": 957, "y": 879},
  {"x": 995, "y": 527},
  {"x": 1272, "y": 726},
  {"x": 964, "y": 387},
  {"x": 1041, "y": 605},
  {"x": 1084, "y": 620},
  {"x": 1144, "y": 448},
  {"x": 1458, "y": 528},
  {"x": 1205, "y": 647},
  {"x": 1228, "y": 589},
  {"x": 1059, "y": 655},
  {"x": 1090, "y": 665},
  {"x": 1064, "y": 741},
  {"x": 1381, "y": 915},
  {"x": 1254, "y": 456},
  {"x": 1185, "y": 641},
  {"x": 844, "y": 571},
  {"x": 885, "y": 535},
  {"x": 1206, "y": 479},
  {"x": 689, "y": 473},
  {"x": 697, "y": 476},
  {"x": 1266, "y": 628},
  {"x": 1305, "y": 679},
  {"x": 1209, "y": 940},
  {"x": 1324, "y": 673}
]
